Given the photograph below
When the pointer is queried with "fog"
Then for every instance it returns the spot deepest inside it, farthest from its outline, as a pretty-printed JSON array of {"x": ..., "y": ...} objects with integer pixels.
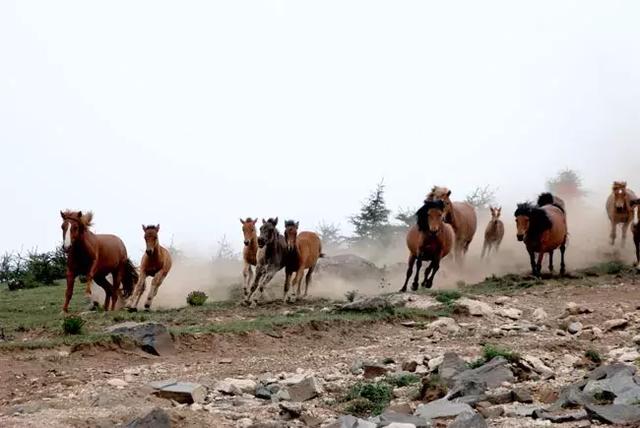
[{"x": 193, "y": 115}]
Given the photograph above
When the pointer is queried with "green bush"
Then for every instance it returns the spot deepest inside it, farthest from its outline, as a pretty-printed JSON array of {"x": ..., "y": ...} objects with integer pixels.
[
  {"x": 402, "y": 380},
  {"x": 489, "y": 352},
  {"x": 368, "y": 398},
  {"x": 196, "y": 298},
  {"x": 593, "y": 356},
  {"x": 33, "y": 270},
  {"x": 72, "y": 324}
]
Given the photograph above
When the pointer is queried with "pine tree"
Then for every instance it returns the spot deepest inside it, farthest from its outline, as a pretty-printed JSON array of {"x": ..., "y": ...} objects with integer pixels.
[{"x": 373, "y": 220}]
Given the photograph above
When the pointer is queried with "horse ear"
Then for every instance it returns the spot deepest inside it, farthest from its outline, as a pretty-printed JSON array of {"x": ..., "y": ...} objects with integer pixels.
[
  {"x": 297, "y": 224},
  {"x": 144, "y": 228},
  {"x": 263, "y": 222},
  {"x": 242, "y": 221},
  {"x": 79, "y": 214},
  {"x": 275, "y": 221},
  {"x": 256, "y": 220},
  {"x": 449, "y": 193},
  {"x": 62, "y": 215},
  {"x": 158, "y": 227}
]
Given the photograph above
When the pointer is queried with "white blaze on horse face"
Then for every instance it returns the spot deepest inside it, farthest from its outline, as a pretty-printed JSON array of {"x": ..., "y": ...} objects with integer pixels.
[{"x": 67, "y": 236}]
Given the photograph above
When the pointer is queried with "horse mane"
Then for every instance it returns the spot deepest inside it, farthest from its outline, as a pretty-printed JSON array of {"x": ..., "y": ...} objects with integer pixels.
[
  {"x": 539, "y": 221},
  {"x": 85, "y": 219},
  {"x": 437, "y": 192},
  {"x": 524, "y": 209},
  {"x": 151, "y": 226},
  {"x": 422, "y": 213},
  {"x": 288, "y": 223},
  {"x": 249, "y": 220},
  {"x": 548, "y": 198}
]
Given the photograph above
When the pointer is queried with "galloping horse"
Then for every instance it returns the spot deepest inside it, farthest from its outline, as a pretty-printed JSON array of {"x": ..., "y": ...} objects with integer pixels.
[
  {"x": 636, "y": 232},
  {"x": 543, "y": 229},
  {"x": 250, "y": 251},
  {"x": 156, "y": 262},
  {"x": 494, "y": 232},
  {"x": 303, "y": 251},
  {"x": 619, "y": 209},
  {"x": 271, "y": 257},
  {"x": 460, "y": 215},
  {"x": 95, "y": 256},
  {"x": 431, "y": 239}
]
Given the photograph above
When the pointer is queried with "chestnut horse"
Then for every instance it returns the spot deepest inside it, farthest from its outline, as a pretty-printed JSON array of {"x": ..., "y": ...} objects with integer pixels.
[
  {"x": 619, "y": 209},
  {"x": 271, "y": 257},
  {"x": 431, "y": 239},
  {"x": 636, "y": 231},
  {"x": 95, "y": 256},
  {"x": 461, "y": 216},
  {"x": 303, "y": 251},
  {"x": 543, "y": 229},
  {"x": 494, "y": 232},
  {"x": 156, "y": 262},
  {"x": 250, "y": 251}
]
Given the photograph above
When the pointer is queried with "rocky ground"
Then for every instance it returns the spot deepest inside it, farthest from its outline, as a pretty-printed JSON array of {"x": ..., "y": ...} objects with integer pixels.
[{"x": 553, "y": 354}]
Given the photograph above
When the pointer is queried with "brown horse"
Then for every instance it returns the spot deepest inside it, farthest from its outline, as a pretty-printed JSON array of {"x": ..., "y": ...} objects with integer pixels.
[
  {"x": 543, "y": 229},
  {"x": 636, "y": 231},
  {"x": 250, "y": 251},
  {"x": 461, "y": 216},
  {"x": 95, "y": 256},
  {"x": 494, "y": 232},
  {"x": 156, "y": 262},
  {"x": 619, "y": 209},
  {"x": 271, "y": 257},
  {"x": 303, "y": 251},
  {"x": 431, "y": 239}
]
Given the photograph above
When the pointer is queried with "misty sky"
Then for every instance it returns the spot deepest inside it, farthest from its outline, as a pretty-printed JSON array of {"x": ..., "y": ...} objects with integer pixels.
[{"x": 193, "y": 114}]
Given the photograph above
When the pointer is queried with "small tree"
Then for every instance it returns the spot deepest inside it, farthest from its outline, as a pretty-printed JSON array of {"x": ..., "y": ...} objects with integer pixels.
[
  {"x": 225, "y": 250},
  {"x": 175, "y": 252},
  {"x": 567, "y": 183},
  {"x": 373, "y": 220},
  {"x": 407, "y": 216},
  {"x": 330, "y": 234},
  {"x": 482, "y": 197}
]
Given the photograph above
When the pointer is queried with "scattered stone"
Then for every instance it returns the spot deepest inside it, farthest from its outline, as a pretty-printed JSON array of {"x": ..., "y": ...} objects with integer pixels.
[
  {"x": 410, "y": 366},
  {"x": 227, "y": 388},
  {"x": 475, "y": 307},
  {"x": 511, "y": 313},
  {"x": 489, "y": 411},
  {"x": 469, "y": 420},
  {"x": 575, "y": 309},
  {"x": 263, "y": 393},
  {"x": 522, "y": 396},
  {"x": 474, "y": 382},
  {"x": 500, "y": 396},
  {"x": 540, "y": 315},
  {"x": 181, "y": 392},
  {"x": 400, "y": 425},
  {"x": 443, "y": 325},
  {"x": 291, "y": 410},
  {"x": 434, "y": 363},
  {"x": 373, "y": 370},
  {"x": 442, "y": 408},
  {"x": 245, "y": 423},
  {"x": 502, "y": 300},
  {"x": 451, "y": 365},
  {"x": 636, "y": 339},
  {"x": 625, "y": 355},
  {"x": 538, "y": 366},
  {"x": 357, "y": 367},
  {"x": 387, "y": 419},
  {"x": 225, "y": 361},
  {"x": 376, "y": 303},
  {"x": 517, "y": 410},
  {"x": 151, "y": 337},
  {"x": 118, "y": 383},
  {"x": 308, "y": 389},
  {"x": 575, "y": 327},
  {"x": 349, "y": 421},
  {"x": 561, "y": 416},
  {"x": 157, "y": 418},
  {"x": 615, "y": 324},
  {"x": 615, "y": 413}
]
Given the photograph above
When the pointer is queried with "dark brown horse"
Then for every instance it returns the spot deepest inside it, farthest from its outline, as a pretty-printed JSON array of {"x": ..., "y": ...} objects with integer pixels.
[
  {"x": 303, "y": 251},
  {"x": 250, "y": 251},
  {"x": 431, "y": 239},
  {"x": 271, "y": 257},
  {"x": 461, "y": 216},
  {"x": 156, "y": 263},
  {"x": 95, "y": 256},
  {"x": 636, "y": 231},
  {"x": 494, "y": 232},
  {"x": 543, "y": 229}
]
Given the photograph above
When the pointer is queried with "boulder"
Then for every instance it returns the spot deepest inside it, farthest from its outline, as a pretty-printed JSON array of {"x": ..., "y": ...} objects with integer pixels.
[
  {"x": 451, "y": 366},
  {"x": 443, "y": 325},
  {"x": 616, "y": 324},
  {"x": 619, "y": 414},
  {"x": 540, "y": 315},
  {"x": 157, "y": 418},
  {"x": 475, "y": 307},
  {"x": 349, "y": 421},
  {"x": 387, "y": 419},
  {"x": 373, "y": 370},
  {"x": 575, "y": 327},
  {"x": 511, "y": 313},
  {"x": 307, "y": 389},
  {"x": 442, "y": 408},
  {"x": 151, "y": 337},
  {"x": 181, "y": 392},
  {"x": 468, "y": 420}
]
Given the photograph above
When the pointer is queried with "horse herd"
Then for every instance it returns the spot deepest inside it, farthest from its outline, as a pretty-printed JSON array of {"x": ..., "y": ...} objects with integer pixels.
[{"x": 442, "y": 226}]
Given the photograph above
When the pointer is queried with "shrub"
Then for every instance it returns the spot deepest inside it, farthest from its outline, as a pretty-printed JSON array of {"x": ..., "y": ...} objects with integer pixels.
[
  {"x": 593, "y": 355},
  {"x": 72, "y": 324},
  {"x": 489, "y": 352},
  {"x": 351, "y": 295},
  {"x": 196, "y": 298},
  {"x": 368, "y": 398},
  {"x": 402, "y": 380}
]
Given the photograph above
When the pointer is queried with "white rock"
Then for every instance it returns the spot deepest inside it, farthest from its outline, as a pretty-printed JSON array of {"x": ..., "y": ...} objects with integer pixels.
[
  {"x": 502, "y": 300},
  {"x": 244, "y": 423},
  {"x": 636, "y": 339},
  {"x": 615, "y": 324},
  {"x": 538, "y": 366},
  {"x": 434, "y": 363},
  {"x": 444, "y": 325},
  {"x": 196, "y": 407},
  {"x": 475, "y": 307},
  {"x": 511, "y": 313},
  {"x": 118, "y": 383},
  {"x": 540, "y": 314},
  {"x": 575, "y": 327}
]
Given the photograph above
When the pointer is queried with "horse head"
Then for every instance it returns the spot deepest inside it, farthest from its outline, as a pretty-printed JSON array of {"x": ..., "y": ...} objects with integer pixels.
[
  {"x": 290, "y": 233},
  {"x": 268, "y": 232},
  {"x": 620, "y": 197},
  {"x": 431, "y": 216},
  {"x": 249, "y": 230},
  {"x": 523, "y": 218},
  {"x": 495, "y": 213},
  {"x": 151, "y": 238},
  {"x": 74, "y": 223}
]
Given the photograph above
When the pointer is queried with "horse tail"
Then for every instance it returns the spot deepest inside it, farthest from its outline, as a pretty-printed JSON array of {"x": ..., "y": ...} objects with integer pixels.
[
  {"x": 130, "y": 278},
  {"x": 548, "y": 198}
]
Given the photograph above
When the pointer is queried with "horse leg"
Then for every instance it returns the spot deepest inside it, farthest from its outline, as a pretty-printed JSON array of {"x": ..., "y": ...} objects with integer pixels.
[
  {"x": 612, "y": 235},
  {"x": 563, "y": 268},
  {"x": 625, "y": 227},
  {"x": 90, "y": 278},
  {"x": 532, "y": 256},
  {"x": 427, "y": 272},
  {"x": 108, "y": 290},
  {"x": 287, "y": 284},
  {"x": 260, "y": 271},
  {"x": 435, "y": 265},
  {"x": 246, "y": 274},
  {"x": 138, "y": 291},
  {"x": 156, "y": 282},
  {"x": 297, "y": 282},
  {"x": 268, "y": 276},
  {"x": 539, "y": 263},
  {"x": 484, "y": 249},
  {"x": 71, "y": 278},
  {"x": 116, "y": 277},
  {"x": 551, "y": 261},
  {"x": 307, "y": 280},
  {"x": 411, "y": 262},
  {"x": 416, "y": 278}
]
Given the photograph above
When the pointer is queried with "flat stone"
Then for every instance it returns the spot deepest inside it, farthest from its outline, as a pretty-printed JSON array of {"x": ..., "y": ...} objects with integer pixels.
[
  {"x": 561, "y": 416},
  {"x": 434, "y": 363},
  {"x": 151, "y": 337},
  {"x": 246, "y": 386},
  {"x": 522, "y": 395},
  {"x": 615, "y": 413},
  {"x": 263, "y": 393},
  {"x": 388, "y": 418},
  {"x": 615, "y": 324},
  {"x": 511, "y": 313},
  {"x": 499, "y": 397},
  {"x": 349, "y": 421},
  {"x": 475, "y": 307},
  {"x": 442, "y": 408},
  {"x": 118, "y": 383},
  {"x": 308, "y": 389},
  {"x": 538, "y": 366},
  {"x": 410, "y": 366},
  {"x": 517, "y": 410},
  {"x": 468, "y": 420},
  {"x": 292, "y": 410},
  {"x": 575, "y": 309},
  {"x": 156, "y": 418},
  {"x": 181, "y": 392},
  {"x": 443, "y": 325},
  {"x": 489, "y": 411},
  {"x": 451, "y": 366},
  {"x": 502, "y": 300}
]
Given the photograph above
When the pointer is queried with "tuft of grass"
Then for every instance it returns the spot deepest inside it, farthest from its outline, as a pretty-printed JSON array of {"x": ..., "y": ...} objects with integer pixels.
[
  {"x": 593, "y": 356},
  {"x": 351, "y": 295},
  {"x": 364, "y": 399},
  {"x": 402, "y": 380},
  {"x": 196, "y": 298},
  {"x": 489, "y": 352},
  {"x": 447, "y": 297},
  {"x": 503, "y": 284},
  {"x": 72, "y": 325},
  {"x": 604, "y": 397}
]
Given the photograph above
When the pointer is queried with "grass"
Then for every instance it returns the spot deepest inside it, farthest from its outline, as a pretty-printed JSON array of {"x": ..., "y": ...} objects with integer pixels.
[
  {"x": 402, "y": 380},
  {"x": 489, "y": 352},
  {"x": 72, "y": 324},
  {"x": 593, "y": 356},
  {"x": 367, "y": 398},
  {"x": 196, "y": 298}
]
